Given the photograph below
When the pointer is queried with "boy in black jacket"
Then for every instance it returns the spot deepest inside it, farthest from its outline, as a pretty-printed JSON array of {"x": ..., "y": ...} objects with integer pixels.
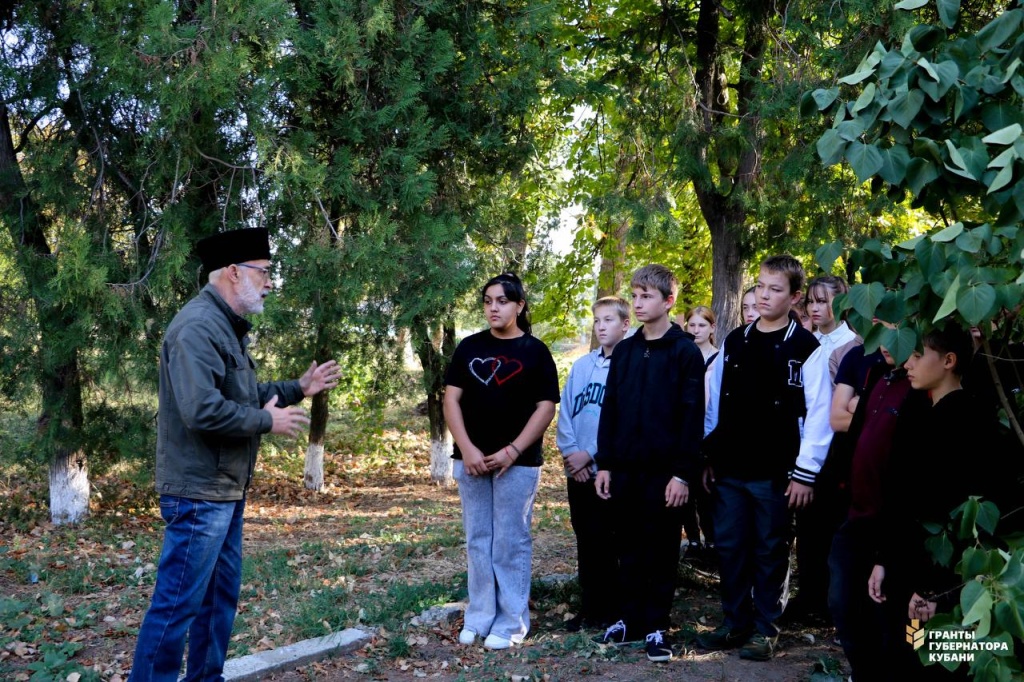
[
  {"x": 648, "y": 446},
  {"x": 766, "y": 436}
]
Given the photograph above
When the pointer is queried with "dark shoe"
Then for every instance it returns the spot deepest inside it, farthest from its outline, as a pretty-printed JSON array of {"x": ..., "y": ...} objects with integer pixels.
[
  {"x": 659, "y": 648},
  {"x": 759, "y": 648},
  {"x": 722, "y": 637},
  {"x": 616, "y": 635}
]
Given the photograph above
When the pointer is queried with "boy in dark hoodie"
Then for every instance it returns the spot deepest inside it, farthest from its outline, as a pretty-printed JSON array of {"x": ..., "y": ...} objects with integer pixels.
[{"x": 647, "y": 457}]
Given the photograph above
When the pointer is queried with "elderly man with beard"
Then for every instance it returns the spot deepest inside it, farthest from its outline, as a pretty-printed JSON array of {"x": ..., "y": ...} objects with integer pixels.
[{"x": 212, "y": 414}]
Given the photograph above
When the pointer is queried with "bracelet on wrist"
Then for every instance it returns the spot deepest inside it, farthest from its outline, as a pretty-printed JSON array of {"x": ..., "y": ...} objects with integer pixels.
[{"x": 519, "y": 453}]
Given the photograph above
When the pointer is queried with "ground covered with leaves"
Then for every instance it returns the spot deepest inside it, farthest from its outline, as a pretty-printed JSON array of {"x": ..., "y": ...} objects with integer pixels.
[{"x": 375, "y": 549}]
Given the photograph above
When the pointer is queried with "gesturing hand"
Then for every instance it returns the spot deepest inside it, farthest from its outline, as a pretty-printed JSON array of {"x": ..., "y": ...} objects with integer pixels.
[
  {"x": 288, "y": 421},
  {"x": 319, "y": 377}
]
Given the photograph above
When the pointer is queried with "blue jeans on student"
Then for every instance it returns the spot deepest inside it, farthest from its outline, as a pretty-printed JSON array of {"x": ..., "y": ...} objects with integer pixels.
[
  {"x": 496, "y": 515},
  {"x": 752, "y": 535},
  {"x": 196, "y": 593}
]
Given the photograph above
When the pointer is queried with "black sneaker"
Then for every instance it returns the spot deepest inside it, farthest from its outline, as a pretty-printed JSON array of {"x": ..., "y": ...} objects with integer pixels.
[
  {"x": 659, "y": 648},
  {"x": 616, "y": 635},
  {"x": 722, "y": 637}
]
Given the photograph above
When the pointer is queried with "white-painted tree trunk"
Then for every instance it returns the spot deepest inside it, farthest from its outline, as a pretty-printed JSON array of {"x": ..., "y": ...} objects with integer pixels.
[
  {"x": 69, "y": 489},
  {"x": 441, "y": 460},
  {"x": 313, "y": 477}
]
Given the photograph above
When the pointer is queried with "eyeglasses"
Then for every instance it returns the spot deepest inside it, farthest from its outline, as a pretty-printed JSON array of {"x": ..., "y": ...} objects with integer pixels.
[{"x": 268, "y": 273}]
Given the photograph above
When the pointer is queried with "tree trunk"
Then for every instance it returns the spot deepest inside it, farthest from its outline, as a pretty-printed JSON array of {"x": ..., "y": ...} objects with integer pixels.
[
  {"x": 726, "y": 273},
  {"x": 61, "y": 418},
  {"x": 721, "y": 200},
  {"x": 313, "y": 475},
  {"x": 434, "y": 354},
  {"x": 612, "y": 273}
]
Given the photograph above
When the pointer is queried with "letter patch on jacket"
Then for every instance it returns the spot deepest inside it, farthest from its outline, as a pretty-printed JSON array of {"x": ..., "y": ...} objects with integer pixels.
[{"x": 796, "y": 373}]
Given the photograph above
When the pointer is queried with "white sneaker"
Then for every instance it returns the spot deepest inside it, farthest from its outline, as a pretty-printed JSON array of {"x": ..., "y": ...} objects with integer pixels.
[
  {"x": 497, "y": 642},
  {"x": 467, "y": 637}
]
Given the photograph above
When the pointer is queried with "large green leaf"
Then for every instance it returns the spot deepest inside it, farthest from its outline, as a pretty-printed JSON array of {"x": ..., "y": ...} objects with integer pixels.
[
  {"x": 824, "y": 98},
  {"x": 830, "y": 147},
  {"x": 923, "y": 38},
  {"x": 865, "y": 298},
  {"x": 903, "y": 108},
  {"x": 949, "y": 10},
  {"x": 939, "y": 546},
  {"x": 966, "y": 99},
  {"x": 999, "y": 30},
  {"x": 975, "y": 600},
  {"x": 970, "y": 241},
  {"x": 827, "y": 254},
  {"x": 949, "y": 300},
  {"x": 1010, "y": 616},
  {"x": 866, "y": 97},
  {"x": 894, "y": 164},
  {"x": 976, "y": 302},
  {"x": 948, "y": 234},
  {"x": 920, "y": 172},
  {"x": 1007, "y": 135},
  {"x": 1001, "y": 180},
  {"x": 865, "y": 159},
  {"x": 910, "y": 4},
  {"x": 857, "y": 76},
  {"x": 998, "y": 115}
]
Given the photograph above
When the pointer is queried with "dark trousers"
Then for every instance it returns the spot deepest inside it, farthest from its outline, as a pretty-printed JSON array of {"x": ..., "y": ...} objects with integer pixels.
[
  {"x": 861, "y": 624},
  {"x": 752, "y": 535},
  {"x": 598, "y": 566},
  {"x": 697, "y": 517},
  {"x": 816, "y": 526},
  {"x": 646, "y": 537}
]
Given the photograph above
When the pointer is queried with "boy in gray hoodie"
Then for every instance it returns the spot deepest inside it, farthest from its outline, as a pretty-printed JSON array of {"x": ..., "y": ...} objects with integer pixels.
[{"x": 578, "y": 418}]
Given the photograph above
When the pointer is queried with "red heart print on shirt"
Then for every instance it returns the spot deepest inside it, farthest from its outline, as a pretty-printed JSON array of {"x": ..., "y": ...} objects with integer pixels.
[{"x": 499, "y": 369}]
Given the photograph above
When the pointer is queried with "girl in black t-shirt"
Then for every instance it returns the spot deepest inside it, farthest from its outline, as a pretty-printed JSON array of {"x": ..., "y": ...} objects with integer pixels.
[{"x": 502, "y": 387}]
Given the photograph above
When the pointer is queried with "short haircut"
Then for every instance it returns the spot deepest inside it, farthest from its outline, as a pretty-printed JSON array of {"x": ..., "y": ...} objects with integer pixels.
[
  {"x": 619, "y": 304},
  {"x": 952, "y": 339},
  {"x": 788, "y": 266},
  {"x": 655, "y": 276}
]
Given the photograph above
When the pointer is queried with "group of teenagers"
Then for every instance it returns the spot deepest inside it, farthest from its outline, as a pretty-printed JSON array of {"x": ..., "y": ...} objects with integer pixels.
[{"x": 789, "y": 428}]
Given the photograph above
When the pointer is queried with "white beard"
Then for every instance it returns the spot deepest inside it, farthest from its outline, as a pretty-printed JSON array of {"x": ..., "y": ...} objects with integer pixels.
[{"x": 250, "y": 298}]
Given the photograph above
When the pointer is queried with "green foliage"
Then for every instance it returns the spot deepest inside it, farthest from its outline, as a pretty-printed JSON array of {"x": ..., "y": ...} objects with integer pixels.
[{"x": 938, "y": 117}]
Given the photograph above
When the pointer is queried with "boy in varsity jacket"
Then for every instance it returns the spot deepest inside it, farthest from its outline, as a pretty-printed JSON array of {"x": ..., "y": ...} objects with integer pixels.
[
  {"x": 766, "y": 436},
  {"x": 582, "y": 398}
]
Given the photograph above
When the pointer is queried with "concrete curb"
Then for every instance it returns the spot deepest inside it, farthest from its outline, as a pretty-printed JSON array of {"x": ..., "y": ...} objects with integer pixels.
[{"x": 259, "y": 665}]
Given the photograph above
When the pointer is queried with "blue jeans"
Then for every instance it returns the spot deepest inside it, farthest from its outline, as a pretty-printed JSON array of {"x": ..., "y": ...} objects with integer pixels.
[
  {"x": 196, "y": 593},
  {"x": 752, "y": 535},
  {"x": 496, "y": 515}
]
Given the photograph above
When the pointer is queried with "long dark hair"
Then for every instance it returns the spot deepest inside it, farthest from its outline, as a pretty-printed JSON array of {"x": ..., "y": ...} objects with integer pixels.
[{"x": 515, "y": 292}]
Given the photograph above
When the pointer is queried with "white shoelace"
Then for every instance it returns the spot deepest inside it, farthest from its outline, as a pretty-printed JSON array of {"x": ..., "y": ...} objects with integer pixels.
[
  {"x": 655, "y": 637},
  {"x": 618, "y": 627}
]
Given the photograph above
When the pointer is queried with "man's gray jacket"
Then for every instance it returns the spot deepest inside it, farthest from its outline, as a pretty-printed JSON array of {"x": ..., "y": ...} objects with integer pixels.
[{"x": 211, "y": 411}]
